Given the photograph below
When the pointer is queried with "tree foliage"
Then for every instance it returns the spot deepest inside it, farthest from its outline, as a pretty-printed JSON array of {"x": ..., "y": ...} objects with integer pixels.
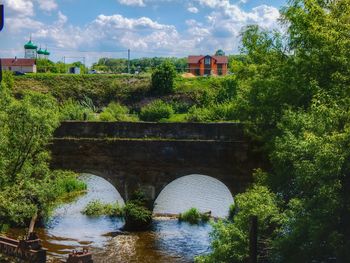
[
  {"x": 27, "y": 185},
  {"x": 163, "y": 78},
  {"x": 293, "y": 93}
]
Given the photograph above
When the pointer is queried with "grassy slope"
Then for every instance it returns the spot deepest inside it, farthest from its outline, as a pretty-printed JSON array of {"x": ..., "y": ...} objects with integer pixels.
[{"x": 102, "y": 89}]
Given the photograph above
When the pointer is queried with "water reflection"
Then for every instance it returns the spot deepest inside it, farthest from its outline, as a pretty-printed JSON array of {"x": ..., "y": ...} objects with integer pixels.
[
  {"x": 203, "y": 192},
  {"x": 168, "y": 241},
  {"x": 69, "y": 226}
]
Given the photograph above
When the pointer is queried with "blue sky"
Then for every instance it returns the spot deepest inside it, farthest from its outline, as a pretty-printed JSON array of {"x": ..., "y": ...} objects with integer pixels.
[{"x": 107, "y": 28}]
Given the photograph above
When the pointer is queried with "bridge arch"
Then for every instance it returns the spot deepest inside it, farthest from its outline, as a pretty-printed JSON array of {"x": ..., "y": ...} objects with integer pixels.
[
  {"x": 118, "y": 184},
  {"x": 203, "y": 192}
]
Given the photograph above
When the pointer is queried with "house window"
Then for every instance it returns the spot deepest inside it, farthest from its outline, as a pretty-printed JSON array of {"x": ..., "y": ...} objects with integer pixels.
[
  {"x": 207, "y": 61},
  {"x": 219, "y": 69}
]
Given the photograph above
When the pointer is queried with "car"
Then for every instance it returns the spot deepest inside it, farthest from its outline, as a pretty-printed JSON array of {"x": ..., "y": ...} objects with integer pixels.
[{"x": 19, "y": 73}]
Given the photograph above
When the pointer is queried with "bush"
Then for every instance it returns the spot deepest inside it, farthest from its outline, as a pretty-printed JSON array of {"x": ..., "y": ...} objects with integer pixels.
[
  {"x": 193, "y": 216},
  {"x": 230, "y": 238},
  {"x": 97, "y": 208},
  {"x": 218, "y": 112},
  {"x": 137, "y": 217},
  {"x": 156, "y": 110},
  {"x": 73, "y": 110},
  {"x": 163, "y": 78},
  {"x": 116, "y": 112},
  {"x": 67, "y": 182}
]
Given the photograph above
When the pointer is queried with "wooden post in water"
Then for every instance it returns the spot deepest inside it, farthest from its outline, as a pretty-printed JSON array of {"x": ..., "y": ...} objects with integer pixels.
[{"x": 253, "y": 239}]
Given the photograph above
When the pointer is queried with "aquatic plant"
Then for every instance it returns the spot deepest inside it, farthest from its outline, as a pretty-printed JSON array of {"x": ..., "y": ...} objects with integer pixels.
[
  {"x": 137, "y": 217},
  {"x": 98, "y": 208},
  {"x": 136, "y": 213},
  {"x": 193, "y": 216}
]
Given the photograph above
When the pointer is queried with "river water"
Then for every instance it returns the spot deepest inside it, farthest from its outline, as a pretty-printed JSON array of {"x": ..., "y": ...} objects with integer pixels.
[{"x": 168, "y": 240}]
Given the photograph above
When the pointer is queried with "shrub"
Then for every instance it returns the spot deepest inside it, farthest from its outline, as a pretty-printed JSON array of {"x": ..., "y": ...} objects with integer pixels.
[
  {"x": 193, "y": 216},
  {"x": 163, "y": 78},
  {"x": 67, "y": 182},
  {"x": 156, "y": 110},
  {"x": 218, "y": 112},
  {"x": 73, "y": 110},
  {"x": 230, "y": 239},
  {"x": 232, "y": 211},
  {"x": 137, "y": 217},
  {"x": 199, "y": 115},
  {"x": 97, "y": 208},
  {"x": 116, "y": 112}
]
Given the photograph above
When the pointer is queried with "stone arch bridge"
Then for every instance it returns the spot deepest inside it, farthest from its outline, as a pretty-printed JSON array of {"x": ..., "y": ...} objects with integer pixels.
[{"x": 149, "y": 156}]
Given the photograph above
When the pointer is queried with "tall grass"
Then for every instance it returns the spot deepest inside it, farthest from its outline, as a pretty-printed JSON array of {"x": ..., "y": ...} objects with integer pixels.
[
  {"x": 98, "y": 208},
  {"x": 193, "y": 216},
  {"x": 116, "y": 112}
]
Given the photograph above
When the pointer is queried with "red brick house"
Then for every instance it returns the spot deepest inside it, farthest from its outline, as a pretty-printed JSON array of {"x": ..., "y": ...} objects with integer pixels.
[
  {"x": 25, "y": 65},
  {"x": 207, "y": 65}
]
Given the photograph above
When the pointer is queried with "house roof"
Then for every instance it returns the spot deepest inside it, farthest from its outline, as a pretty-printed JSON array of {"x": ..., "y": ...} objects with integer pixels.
[
  {"x": 11, "y": 62},
  {"x": 196, "y": 59},
  {"x": 221, "y": 59}
]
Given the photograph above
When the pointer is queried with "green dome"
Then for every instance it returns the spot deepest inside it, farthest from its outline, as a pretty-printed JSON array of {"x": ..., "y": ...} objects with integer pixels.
[
  {"x": 45, "y": 52},
  {"x": 30, "y": 45},
  {"x": 41, "y": 52},
  {"x": 220, "y": 52}
]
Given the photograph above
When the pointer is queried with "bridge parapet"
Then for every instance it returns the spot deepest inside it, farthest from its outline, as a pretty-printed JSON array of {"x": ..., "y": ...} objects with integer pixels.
[{"x": 144, "y": 130}]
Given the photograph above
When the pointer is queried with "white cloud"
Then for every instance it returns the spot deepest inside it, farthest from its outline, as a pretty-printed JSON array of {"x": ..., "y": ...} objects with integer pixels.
[
  {"x": 120, "y": 22},
  {"x": 47, "y": 5},
  {"x": 219, "y": 28},
  {"x": 62, "y": 19},
  {"x": 16, "y": 25},
  {"x": 132, "y": 2},
  {"x": 19, "y": 8},
  {"x": 193, "y": 9}
]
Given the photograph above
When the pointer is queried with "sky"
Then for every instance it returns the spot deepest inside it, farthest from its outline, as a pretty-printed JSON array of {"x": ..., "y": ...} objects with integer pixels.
[{"x": 90, "y": 29}]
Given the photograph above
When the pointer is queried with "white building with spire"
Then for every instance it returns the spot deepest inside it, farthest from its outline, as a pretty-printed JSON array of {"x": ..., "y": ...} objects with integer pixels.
[{"x": 30, "y": 50}]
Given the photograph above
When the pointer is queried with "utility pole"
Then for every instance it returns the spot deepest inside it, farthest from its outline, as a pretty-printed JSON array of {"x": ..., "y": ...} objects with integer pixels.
[{"x": 128, "y": 61}]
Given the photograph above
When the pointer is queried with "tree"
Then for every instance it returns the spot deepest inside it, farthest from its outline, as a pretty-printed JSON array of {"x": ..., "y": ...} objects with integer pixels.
[
  {"x": 293, "y": 95},
  {"x": 230, "y": 238},
  {"x": 27, "y": 185},
  {"x": 163, "y": 78}
]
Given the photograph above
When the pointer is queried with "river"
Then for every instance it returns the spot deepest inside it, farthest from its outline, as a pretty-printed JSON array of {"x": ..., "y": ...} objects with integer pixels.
[{"x": 167, "y": 241}]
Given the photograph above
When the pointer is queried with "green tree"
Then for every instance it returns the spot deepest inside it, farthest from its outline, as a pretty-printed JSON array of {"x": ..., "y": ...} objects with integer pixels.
[
  {"x": 230, "y": 239},
  {"x": 293, "y": 94},
  {"x": 27, "y": 185},
  {"x": 163, "y": 78}
]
